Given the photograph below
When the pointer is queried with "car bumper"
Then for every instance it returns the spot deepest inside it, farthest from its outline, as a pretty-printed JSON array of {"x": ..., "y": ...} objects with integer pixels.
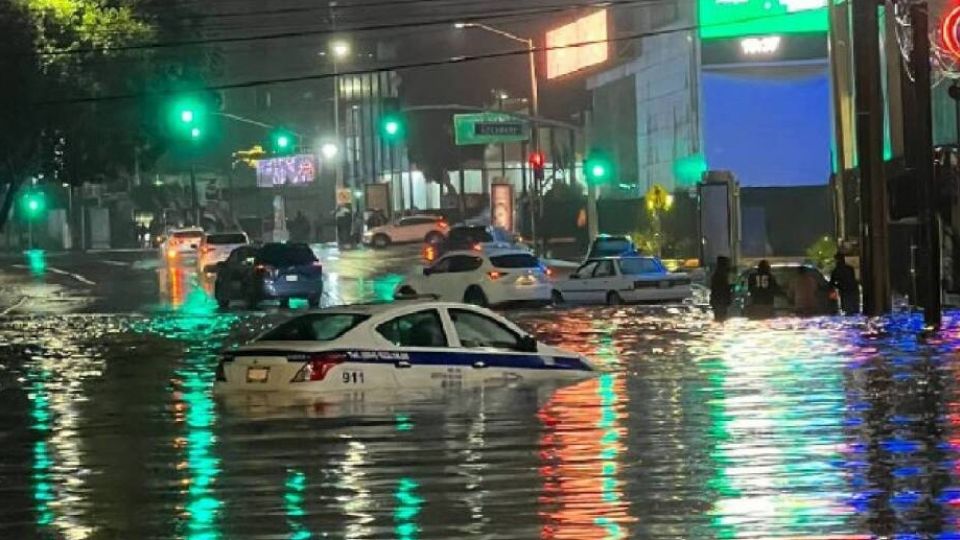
[
  {"x": 539, "y": 293},
  {"x": 280, "y": 288}
]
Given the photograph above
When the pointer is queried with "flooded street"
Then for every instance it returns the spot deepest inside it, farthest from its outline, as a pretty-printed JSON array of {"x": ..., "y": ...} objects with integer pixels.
[{"x": 788, "y": 429}]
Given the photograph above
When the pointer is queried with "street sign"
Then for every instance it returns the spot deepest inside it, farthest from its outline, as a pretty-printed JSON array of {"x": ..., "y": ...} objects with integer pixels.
[{"x": 489, "y": 128}]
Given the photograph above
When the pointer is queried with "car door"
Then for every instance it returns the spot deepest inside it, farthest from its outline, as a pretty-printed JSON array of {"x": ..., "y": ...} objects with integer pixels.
[
  {"x": 434, "y": 279},
  {"x": 488, "y": 350},
  {"x": 603, "y": 280},
  {"x": 576, "y": 288},
  {"x": 422, "y": 349}
]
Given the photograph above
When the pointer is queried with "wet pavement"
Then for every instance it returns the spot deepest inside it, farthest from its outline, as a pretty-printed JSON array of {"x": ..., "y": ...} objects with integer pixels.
[{"x": 815, "y": 429}]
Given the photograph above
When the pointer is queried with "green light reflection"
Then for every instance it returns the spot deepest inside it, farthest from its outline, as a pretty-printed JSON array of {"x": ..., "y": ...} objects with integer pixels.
[
  {"x": 407, "y": 509},
  {"x": 293, "y": 498}
]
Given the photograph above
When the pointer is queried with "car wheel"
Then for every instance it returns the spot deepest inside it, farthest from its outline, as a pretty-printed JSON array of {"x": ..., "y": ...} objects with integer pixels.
[
  {"x": 613, "y": 298},
  {"x": 313, "y": 300},
  {"x": 381, "y": 241},
  {"x": 475, "y": 296},
  {"x": 557, "y": 297},
  {"x": 433, "y": 237}
]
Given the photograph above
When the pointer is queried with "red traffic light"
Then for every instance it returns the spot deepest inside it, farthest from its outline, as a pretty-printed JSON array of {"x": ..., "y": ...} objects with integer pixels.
[{"x": 536, "y": 160}]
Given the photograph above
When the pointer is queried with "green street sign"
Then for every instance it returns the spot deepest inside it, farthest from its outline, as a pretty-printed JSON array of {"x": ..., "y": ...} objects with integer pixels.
[{"x": 489, "y": 128}]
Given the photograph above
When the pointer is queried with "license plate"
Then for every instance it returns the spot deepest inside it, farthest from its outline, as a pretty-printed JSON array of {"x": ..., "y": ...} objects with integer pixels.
[
  {"x": 293, "y": 277},
  {"x": 258, "y": 375}
]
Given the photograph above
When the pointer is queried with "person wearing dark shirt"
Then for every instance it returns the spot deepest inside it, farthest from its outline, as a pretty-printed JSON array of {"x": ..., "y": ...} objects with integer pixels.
[
  {"x": 844, "y": 279},
  {"x": 763, "y": 288},
  {"x": 720, "y": 294}
]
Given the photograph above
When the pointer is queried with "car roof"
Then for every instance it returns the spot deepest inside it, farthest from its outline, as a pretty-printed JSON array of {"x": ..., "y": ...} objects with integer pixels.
[
  {"x": 621, "y": 257},
  {"x": 187, "y": 230},
  {"x": 225, "y": 233},
  {"x": 381, "y": 308},
  {"x": 490, "y": 250}
]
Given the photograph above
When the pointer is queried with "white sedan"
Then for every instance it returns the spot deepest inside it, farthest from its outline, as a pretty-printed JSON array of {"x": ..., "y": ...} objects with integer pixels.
[
  {"x": 429, "y": 229},
  {"x": 216, "y": 247},
  {"x": 391, "y": 346},
  {"x": 181, "y": 242},
  {"x": 483, "y": 276},
  {"x": 618, "y": 280}
]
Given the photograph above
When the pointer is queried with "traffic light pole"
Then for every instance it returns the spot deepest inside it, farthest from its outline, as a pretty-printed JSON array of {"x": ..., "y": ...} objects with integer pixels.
[
  {"x": 193, "y": 192},
  {"x": 874, "y": 251},
  {"x": 534, "y": 202}
]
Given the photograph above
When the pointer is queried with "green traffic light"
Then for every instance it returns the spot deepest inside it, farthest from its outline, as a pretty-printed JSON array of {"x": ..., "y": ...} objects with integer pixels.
[
  {"x": 186, "y": 116},
  {"x": 33, "y": 204},
  {"x": 195, "y": 133},
  {"x": 392, "y": 128},
  {"x": 597, "y": 168},
  {"x": 283, "y": 142}
]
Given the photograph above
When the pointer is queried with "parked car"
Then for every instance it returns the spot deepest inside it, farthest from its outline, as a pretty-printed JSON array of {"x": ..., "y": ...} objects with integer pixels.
[
  {"x": 465, "y": 237},
  {"x": 606, "y": 245},
  {"x": 401, "y": 345},
  {"x": 273, "y": 271},
  {"x": 216, "y": 247},
  {"x": 483, "y": 277},
  {"x": 181, "y": 242},
  {"x": 619, "y": 280},
  {"x": 827, "y": 301},
  {"x": 422, "y": 228}
]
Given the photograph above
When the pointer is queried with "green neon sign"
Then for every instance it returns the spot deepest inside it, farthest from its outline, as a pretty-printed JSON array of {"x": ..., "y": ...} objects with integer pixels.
[{"x": 740, "y": 18}]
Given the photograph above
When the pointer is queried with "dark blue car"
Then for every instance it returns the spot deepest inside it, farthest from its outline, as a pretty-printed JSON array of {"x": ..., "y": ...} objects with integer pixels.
[{"x": 269, "y": 272}]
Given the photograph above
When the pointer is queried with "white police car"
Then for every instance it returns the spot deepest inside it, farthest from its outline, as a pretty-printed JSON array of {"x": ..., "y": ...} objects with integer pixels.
[{"x": 400, "y": 345}]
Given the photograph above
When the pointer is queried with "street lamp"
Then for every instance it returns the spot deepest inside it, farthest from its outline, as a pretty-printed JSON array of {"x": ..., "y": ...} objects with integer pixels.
[
  {"x": 534, "y": 101},
  {"x": 329, "y": 150},
  {"x": 340, "y": 49}
]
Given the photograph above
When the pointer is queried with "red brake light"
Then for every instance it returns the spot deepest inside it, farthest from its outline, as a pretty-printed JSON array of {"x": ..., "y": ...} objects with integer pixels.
[
  {"x": 429, "y": 253},
  {"x": 318, "y": 366},
  {"x": 834, "y": 295},
  {"x": 172, "y": 253},
  {"x": 477, "y": 247},
  {"x": 548, "y": 271},
  {"x": 495, "y": 275}
]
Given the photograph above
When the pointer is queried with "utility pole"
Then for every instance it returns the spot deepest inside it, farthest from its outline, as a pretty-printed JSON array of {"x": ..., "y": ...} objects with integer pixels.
[
  {"x": 874, "y": 249},
  {"x": 931, "y": 293}
]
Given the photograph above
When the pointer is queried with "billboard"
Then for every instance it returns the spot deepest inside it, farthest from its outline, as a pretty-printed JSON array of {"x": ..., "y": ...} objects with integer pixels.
[
  {"x": 286, "y": 171},
  {"x": 742, "y": 18},
  {"x": 563, "y": 59},
  {"x": 501, "y": 205}
]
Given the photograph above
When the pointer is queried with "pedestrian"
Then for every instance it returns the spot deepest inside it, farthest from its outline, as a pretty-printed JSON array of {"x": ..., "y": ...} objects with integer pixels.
[
  {"x": 805, "y": 288},
  {"x": 344, "y": 223},
  {"x": 844, "y": 279},
  {"x": 763, "y": 289},
  {"x": 720, "y": 294}
]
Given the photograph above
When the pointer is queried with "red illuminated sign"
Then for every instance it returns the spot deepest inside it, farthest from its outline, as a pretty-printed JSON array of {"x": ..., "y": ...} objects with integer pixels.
[{"x": 949, "y": 27}]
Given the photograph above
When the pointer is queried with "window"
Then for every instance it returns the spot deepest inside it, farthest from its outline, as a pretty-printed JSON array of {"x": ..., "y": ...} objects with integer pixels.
[
  {"x": 585, "y": 271},
  {"x": 478, "y": 331},
  {"x": 442, "y": 266},
  {"x": 637, "y": 266},
  {"x": 604, "y": 269},
  {"x": 188, "y": 235},
  {"x": 467, "y": 236},
  {"x": 325, "y": 327},
  {"x": 420, "y": 329},
  {"x": 423, "y": 220},
  {"x": 611, "y": 247},
  {"x": 286, "y": 255},
  {"x": 517, "y": 260},
  {"x": 226, "y": 238},
  {"x": 243, "y": 255},
  {"x": 464, "y": 263}
]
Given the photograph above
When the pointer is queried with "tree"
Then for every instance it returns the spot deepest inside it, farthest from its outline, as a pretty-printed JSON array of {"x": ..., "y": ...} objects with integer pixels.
[{"x": 59, "y": 50}]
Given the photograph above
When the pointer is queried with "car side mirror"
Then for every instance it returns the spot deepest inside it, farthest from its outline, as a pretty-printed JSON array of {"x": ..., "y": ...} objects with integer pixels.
[{"x": 528, "y": 344}]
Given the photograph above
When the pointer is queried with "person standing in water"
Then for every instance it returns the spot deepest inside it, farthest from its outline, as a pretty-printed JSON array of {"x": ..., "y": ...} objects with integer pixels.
[{"x": 720, "y": 294}]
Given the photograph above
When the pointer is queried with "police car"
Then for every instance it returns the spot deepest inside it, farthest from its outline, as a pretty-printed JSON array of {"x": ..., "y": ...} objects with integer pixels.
[{"x": 388, "y": 346}]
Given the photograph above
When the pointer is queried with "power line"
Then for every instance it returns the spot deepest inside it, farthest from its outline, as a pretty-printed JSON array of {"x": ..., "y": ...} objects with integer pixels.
[
  {"x": 411, "y": 65},
  {"x": 368, "y": 28}
]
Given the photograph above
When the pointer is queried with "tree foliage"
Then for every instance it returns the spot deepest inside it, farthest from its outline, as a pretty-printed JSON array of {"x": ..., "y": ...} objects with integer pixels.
[{"x": 71, "y": 59}]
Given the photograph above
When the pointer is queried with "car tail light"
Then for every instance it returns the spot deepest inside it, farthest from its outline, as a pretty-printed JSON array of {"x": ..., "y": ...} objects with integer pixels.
[
  {"x": 548, "y": 271},
  {"x": 318, "y": 366},
  {"x": 172, "y": 253},
  {"x": 495, "y": 275},
  {"x": 429, "y": 253},
  {"x": 833, "y": 295},
  {"x": 265, "y": 269},
  {"x": 477, "y": 247}
]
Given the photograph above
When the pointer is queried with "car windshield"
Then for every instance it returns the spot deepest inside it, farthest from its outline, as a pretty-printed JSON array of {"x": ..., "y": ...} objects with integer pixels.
[
  {"x": 226, "y": 238},
  {"x": 315, "y": 327},
  {"x": 469, "y": 235},
  {"x": 517, "y": 260},
  {"x": 636, "y": 266},
  {"x": 187, "y": 234},
  {"x": 612, "y": 246},
  {"x": 286, "y": 255}
]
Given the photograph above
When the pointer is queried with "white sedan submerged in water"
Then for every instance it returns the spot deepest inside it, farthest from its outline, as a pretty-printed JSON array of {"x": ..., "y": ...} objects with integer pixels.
[{"x": 400, "y": 345}]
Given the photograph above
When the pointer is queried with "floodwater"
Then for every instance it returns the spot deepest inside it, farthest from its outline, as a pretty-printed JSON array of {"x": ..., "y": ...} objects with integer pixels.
[{"x": 816, "y": 429}]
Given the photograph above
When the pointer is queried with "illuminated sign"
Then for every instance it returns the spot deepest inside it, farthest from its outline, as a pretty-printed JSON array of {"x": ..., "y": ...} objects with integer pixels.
[
  {"x": 564, "y": 58},
  {"x": 744, "y": 18},
  {"x": 501, "y": 205},
  {"x": 290, "y": 170},
  {"x": 754, "y": 46},
  {"x": 950, "y": 32}
]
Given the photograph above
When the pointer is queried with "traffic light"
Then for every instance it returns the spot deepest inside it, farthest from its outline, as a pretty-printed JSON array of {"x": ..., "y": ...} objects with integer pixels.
[
  {"x": 537, "y": 161},
  {"x": 34, "y": 204},
  {"x": 283, "y": 142},
  {"x": 392, "y": 127},
  {"x": 188, "y": 118},
  {"x": 598, "y": 168}
]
